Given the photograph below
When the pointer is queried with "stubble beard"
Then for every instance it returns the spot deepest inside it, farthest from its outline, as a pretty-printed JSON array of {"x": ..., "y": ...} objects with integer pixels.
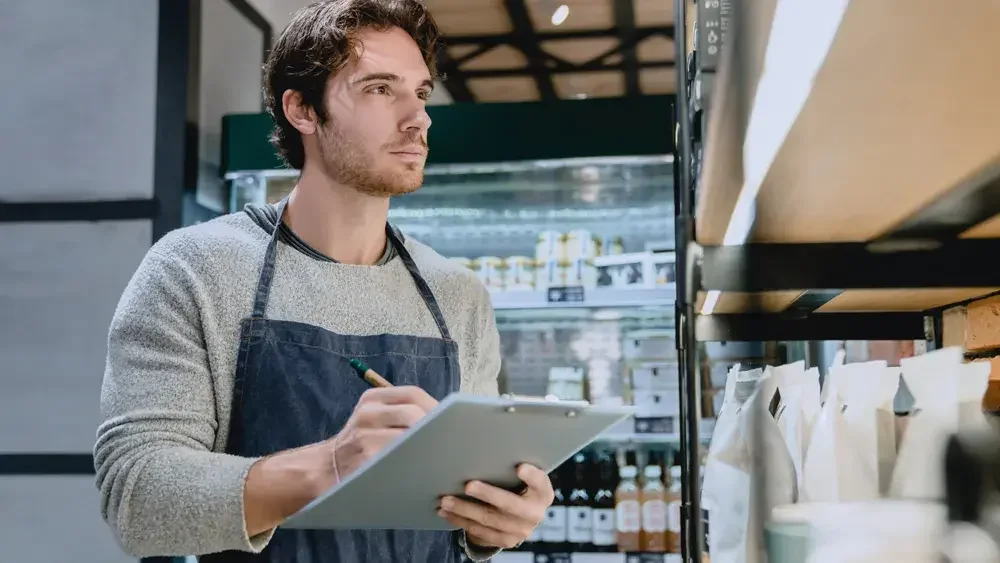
[{"x": 347, "y": 163}]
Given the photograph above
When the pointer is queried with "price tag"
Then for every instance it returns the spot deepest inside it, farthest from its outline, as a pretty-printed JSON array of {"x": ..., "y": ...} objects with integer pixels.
[
  {"x": 660, "y": 425},
  {"x": 636, "y": 557},
  {"x": 571, "y": 294}
]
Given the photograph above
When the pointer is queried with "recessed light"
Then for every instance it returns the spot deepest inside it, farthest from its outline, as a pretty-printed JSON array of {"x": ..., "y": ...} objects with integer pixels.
[{"x": 560, "y": 15}]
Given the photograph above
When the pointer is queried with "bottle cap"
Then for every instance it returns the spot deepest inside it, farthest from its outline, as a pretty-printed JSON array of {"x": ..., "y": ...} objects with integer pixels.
[
  {"x": 653, "y": 471},
  {"x": 628, "y": 472}
]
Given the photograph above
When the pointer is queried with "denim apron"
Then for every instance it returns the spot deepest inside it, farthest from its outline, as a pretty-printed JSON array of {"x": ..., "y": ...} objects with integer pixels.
[{"x": 294, "y": 387}]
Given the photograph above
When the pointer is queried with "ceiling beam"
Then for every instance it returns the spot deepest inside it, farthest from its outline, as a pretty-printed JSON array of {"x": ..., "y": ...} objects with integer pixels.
[
  {"x": 516, "y": 38},
  {"x": 528, "y": 43},
  {"x": 453, "y": 78},
  {"x": 592, "y": 66},
  {"x": 625, "y": 22}
]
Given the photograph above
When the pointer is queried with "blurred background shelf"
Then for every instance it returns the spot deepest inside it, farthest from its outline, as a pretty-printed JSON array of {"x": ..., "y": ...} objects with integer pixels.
[{"x": 599, "y": 298}]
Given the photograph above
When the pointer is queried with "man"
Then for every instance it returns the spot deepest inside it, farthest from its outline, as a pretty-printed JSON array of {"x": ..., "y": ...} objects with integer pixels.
[{"x": 228, "y": 399}]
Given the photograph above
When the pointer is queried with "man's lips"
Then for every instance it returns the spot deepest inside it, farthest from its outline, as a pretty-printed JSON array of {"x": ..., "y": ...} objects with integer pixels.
[{"x": 415, "y": 151}]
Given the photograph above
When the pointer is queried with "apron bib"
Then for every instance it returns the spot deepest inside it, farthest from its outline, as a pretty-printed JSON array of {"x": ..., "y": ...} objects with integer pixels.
[{"x": 294, "y": 387}]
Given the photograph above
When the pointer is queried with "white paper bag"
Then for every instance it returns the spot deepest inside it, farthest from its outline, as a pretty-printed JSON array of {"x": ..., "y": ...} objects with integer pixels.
[
  {"x": 800, "y": 405},
  {"x": 729, "y": 493},
  {"x": 854, "y": 436},
  {"x": 868, "y": 389},
  {"x": 947, "y": 398}
]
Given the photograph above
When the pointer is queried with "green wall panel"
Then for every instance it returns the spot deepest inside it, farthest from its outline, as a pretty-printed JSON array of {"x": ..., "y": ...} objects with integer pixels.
[{"x": 468, "y": 133}]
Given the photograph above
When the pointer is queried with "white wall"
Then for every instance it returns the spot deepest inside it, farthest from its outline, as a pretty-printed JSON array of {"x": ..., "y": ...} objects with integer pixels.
[{"x": 77, "y": 112}]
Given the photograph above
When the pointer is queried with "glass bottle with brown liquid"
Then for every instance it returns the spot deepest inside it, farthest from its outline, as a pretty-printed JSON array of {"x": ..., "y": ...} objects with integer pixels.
[
  {"x": 628, "y": 512},
  {"x": 653, "y": 496}
]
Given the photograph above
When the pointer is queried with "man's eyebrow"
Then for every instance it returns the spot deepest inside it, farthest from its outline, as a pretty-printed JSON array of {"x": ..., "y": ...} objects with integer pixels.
[{"x": 390, "y": 77}]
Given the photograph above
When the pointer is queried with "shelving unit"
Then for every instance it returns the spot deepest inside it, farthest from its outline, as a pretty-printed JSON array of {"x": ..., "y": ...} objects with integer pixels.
[{"x": 848, "y": 190}]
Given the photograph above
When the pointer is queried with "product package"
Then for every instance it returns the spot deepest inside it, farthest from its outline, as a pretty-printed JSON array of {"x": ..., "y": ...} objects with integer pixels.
[
  {"x": 798, "y": 390},
  {"x": 947, "y": 398},
  {"x": 737, "y": 451},
  {"x": 853, "y": 446}
]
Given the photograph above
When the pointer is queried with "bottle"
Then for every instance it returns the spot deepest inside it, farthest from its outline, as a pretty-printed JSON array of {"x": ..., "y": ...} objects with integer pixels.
[
  {"x": 553, "y": 528},
  {"x": 653, "y": 536},
  {"x": 627, "y": 509},
  {"x": 579, "y": 512},
  {"x": 674, "y": 511},
  {"x": 603, "y": 502}
]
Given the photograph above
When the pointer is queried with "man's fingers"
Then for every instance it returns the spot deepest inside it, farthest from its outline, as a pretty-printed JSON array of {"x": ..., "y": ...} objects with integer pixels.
[
  {"x": 404, "y": 394},
  {"x": 379, "y": 415},
  {"x": 538, "y": 482},
  {"x": 479, "y": 534},
  {"x": 505, "y": 501}
]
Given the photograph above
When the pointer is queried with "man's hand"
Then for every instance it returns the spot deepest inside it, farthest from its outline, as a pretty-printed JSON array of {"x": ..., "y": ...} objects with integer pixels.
[
  {"x": 381, "y": 415},
  {"x": 279, "y": 485},
  {"x": 506, "y": 519}
]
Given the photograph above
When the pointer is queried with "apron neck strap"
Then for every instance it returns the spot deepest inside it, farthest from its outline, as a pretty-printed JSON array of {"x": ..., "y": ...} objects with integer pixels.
[{"x": 395, "y": 238}]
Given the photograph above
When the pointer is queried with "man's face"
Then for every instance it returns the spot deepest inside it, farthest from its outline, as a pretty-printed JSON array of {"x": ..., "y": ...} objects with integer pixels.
[{"x": 375, "y": 136}]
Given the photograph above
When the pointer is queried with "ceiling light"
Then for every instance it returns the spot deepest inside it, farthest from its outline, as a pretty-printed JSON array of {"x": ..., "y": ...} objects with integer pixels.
[{"x": 560, "y": 15}]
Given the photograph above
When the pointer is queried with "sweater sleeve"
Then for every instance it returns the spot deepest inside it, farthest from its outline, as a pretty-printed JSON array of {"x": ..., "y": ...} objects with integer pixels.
[
  {"x": 484, "y": 353},
  {"x": 162, "y": 488}
]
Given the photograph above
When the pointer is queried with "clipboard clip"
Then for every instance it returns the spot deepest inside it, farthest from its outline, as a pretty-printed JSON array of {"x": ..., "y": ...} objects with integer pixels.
[{"x": 549, "y": 400}]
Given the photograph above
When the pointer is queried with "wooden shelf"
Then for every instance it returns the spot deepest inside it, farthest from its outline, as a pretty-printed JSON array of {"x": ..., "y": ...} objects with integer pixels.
[{"x": 881, "y": 128}]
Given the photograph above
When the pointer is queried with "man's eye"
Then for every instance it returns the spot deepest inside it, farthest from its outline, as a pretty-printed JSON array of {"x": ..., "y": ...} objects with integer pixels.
[
  {"x": 424, "y": 95},
  {"x": 380, "y": 90}
]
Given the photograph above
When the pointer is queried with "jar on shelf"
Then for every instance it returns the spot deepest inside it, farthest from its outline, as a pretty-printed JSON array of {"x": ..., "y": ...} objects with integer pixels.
[
  {"x": 611, "y": 246},
  {"x": 520, "y": 274},
  {"x": 552, "y": 273},
  {"x": 551, "y": 245},
  {"x": 582, "y": 272},
  {"x": 581, "y": 244},
  {"x": 491, "y": 271}
]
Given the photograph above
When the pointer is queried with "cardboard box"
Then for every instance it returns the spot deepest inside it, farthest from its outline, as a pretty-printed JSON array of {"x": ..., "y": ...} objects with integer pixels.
[
  {"x": 982, "y": 327},
  {"x": 953, "y": 323}
]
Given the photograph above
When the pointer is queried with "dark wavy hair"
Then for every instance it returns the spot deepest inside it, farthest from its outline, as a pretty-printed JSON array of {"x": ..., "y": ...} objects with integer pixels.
[{"x": 320, "y": 41}]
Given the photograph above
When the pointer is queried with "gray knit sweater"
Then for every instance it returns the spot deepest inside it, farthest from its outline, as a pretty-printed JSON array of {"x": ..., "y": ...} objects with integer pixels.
[{"x": 166, "y": 486}]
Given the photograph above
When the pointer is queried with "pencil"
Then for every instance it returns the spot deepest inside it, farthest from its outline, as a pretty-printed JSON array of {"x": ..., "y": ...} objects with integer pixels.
[{"x": 369, "y": 375}]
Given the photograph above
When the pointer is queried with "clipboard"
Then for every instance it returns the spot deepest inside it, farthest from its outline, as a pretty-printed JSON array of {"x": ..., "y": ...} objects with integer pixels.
[{"x": 464, "y": 438}]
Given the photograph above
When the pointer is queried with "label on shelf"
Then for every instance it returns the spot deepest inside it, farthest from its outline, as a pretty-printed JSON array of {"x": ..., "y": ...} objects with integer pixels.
[
  {"x": 658, "y": 425},
  {"x": 570, "y": 294},
  {"x": 604, "y": 527},
  {"x": 553, "y": 558},
  {"x": 628, "y": 515},
  {"x": 553, "y": 528},
  {"x": 638, "y": 557},
  {"x": 580, "y": 522}
]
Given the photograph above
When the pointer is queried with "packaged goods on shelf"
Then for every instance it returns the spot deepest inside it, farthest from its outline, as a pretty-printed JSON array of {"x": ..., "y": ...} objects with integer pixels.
[
  {"x": 858, "y": 455},
  {"x": 490, "y": 270},
  {"x": 799, "y": 396},
  {"x": 664, "y": 268},
  {"x": 551, "y": 245},
  {"x": 567, "y": 383},
  {"x": 853, "y": 446},
  {"x": 655, "y": 376},
  {"x": 948, "y": 397},
  {"x": 728, "y": 491},
  {"x": 653, "y": 345},
  {"x": 520, "y": 274},
  {"x": 632, "y": 270}
]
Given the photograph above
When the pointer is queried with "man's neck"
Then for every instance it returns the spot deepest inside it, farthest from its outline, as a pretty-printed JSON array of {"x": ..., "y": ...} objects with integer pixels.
[{"x": 338, "y": 220}]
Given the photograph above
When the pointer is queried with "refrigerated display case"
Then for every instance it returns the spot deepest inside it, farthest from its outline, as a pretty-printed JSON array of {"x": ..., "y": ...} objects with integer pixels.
[{"x": 578, "y": 255}]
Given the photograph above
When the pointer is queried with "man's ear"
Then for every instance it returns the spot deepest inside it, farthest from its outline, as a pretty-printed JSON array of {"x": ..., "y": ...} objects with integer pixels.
[{"x": 300, "y": 115}]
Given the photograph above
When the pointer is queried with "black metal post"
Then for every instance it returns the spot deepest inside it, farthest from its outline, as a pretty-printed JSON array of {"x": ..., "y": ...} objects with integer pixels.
[{"x": 687, "y": 281}]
